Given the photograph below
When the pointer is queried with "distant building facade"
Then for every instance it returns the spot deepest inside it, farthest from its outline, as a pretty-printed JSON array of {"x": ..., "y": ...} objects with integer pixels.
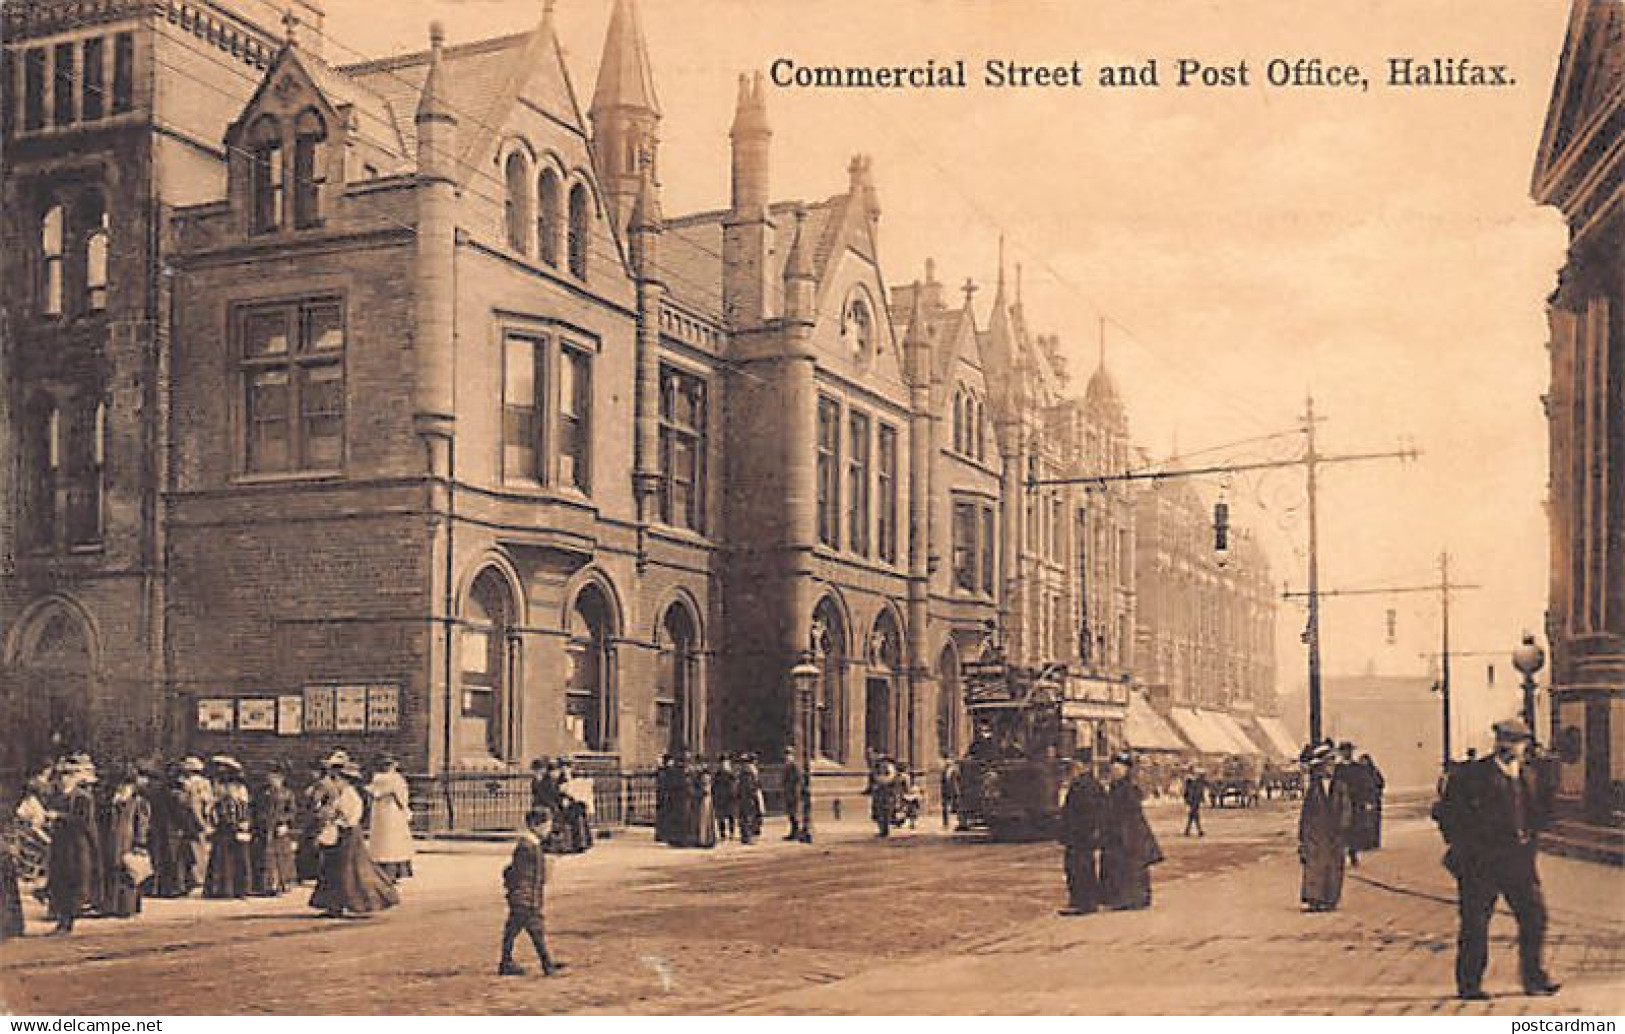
[
  {"x": 1580, "y": 170},
  {"x": 1206, "y": 621}
]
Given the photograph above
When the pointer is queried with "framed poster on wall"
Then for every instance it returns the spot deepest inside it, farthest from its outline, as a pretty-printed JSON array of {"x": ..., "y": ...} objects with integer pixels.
[
  {"x": 319, "y": 708},
  {"x": 383, "y": 708},
  {"x": 290, "y": 715},
  {"x": 216, "y": 714},
  {"x": 256, "y": 714},
  {"x": 350, "y": 709}
]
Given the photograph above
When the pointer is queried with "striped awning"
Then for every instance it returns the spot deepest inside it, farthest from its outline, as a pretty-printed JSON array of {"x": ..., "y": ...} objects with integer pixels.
[{"x": 1145, "y": 729}]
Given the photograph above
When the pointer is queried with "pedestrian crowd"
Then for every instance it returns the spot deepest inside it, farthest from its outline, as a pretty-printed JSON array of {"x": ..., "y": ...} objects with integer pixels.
[
  {"x": 94, "y": 844},
  {"x": 699, "y": 804}
]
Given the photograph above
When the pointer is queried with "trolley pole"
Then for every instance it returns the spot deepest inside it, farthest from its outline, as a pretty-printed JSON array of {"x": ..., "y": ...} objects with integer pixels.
[{"x": 1311, "y": 460}]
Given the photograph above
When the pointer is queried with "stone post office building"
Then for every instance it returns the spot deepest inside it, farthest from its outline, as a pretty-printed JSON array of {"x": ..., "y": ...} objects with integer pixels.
[{"x": 380, "y": 404}]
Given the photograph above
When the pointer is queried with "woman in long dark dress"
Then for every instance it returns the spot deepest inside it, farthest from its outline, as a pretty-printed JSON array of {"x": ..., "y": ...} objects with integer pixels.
[
  {"x": 1128, "y": 848},
  {"x": 1323, "y": 831},
  {"x": 74, "y": 879},
  {"x": 350, "y": 882},
  {"x": 576, "y": 834},
  {"x": 126, "y": 855},
  {"x": 704, "y": 831},
  {"x": 11, "y": 900},
  {"x": 275, "y": 811},
  {"x": 230, "y": 874}
]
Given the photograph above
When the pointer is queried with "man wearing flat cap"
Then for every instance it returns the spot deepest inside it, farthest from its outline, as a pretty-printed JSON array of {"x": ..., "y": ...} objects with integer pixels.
[{"x": 1491, "y": 816}]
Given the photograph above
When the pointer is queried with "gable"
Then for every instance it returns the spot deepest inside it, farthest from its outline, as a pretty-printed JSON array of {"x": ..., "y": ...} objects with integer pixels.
[
  {"x": 852, "y": 325},
  {"x": 1587, "y": 96}
]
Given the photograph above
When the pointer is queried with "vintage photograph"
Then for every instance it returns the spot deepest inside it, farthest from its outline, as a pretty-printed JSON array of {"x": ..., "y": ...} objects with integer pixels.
[{"x": 923, "y": 507}]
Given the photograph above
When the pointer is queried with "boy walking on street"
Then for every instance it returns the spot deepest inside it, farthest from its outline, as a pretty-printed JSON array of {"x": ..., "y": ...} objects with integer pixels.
[{"x": 525, "y": 880}]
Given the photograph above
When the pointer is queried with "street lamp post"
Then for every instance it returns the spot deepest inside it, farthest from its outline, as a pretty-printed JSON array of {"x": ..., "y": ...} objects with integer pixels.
[
  {"x": 804, "y": 677},
  {"x": 1528, "y": 658}
]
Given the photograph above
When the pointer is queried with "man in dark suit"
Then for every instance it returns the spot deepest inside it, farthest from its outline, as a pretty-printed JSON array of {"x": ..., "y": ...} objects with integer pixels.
[
  {"x": 1080, "y": 835},
  {"x": 1491, "y": 815},
  {"x": 797, "y": 799}
]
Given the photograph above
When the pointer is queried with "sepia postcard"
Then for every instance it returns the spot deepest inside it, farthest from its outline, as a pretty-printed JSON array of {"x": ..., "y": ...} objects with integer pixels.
[{"x": 923, "y": 507}]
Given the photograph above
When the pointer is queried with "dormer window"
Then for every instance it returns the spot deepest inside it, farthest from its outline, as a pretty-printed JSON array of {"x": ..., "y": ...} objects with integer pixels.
[
  {"x": 516, "y": 173},
  {"x": 265, "y": 174},
  {"x": 310, "y": 132},
  {"x": 548, "y": 217}
]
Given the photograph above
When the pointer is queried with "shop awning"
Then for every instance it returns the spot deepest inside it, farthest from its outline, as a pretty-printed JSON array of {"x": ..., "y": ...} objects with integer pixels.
[
  {"x": 1092, "y": 709},
  {"x": 1145, "y": 729},
  {"x": 1239, "y": 741},
  {"x": 1275, "y": 734},
  {"x": 1202, "y": 733}
]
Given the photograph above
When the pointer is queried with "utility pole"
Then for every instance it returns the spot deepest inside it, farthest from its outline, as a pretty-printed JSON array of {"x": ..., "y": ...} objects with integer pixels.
[
  {"x": 1444, "y": 587},
  {"x": 1311, "y": 461},
  {"x": 1444, "y": 652}
]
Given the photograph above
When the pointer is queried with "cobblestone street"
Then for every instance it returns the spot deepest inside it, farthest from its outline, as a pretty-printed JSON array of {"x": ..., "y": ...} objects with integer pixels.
[{"x": 924, "y": 923}]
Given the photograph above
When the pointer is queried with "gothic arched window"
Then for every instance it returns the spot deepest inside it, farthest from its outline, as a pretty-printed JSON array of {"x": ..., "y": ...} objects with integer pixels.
[
  {"x": 578, "y": 231},
  {"x": 516, "y": 173},
  {"x": 96, "y": 242},
  {"x": 50, "y": 243},
  {"x": 489, "y": 659},
  {"x": 548, "y": 217},
  {"x": 308, "y": 174},
  {"x": 265, "y": 174}
]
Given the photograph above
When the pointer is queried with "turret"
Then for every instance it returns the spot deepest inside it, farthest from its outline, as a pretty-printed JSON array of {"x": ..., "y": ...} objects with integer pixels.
[
  {"x": 751, "y": 137},
  {"x": 433, "y": 336},
  {"x": 798, "y": 276},
  {"x": 625, "y": 114},
  {"x": 747, "y": 232}
]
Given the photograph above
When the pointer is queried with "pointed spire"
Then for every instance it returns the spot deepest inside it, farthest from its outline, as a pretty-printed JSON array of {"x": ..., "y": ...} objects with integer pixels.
[
  {"x": 290, "y": 28},
  {"x": 1018, "y": 285},
  {"x": 434, "y": 103},
  {"x": 797, "y": 265},
  {"x": 624, "y": 76}
]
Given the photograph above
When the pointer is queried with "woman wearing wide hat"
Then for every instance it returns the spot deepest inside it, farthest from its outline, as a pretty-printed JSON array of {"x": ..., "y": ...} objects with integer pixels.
[
  {"x": 74, "y": 882},
  {"x": 389, "y": 830},
  {"x": 349, "y": 881},
  {"x": 1323, "y": 831},
  {"x": 127, "y": 856},
  {"x": 1128, "y": 848},
  {"x": 230, "y": 870},
  {"x": 275, "y": 811}
]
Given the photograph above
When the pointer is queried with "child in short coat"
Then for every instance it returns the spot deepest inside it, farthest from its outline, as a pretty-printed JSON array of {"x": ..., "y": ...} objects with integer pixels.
[{"x": 524, "y": 881}]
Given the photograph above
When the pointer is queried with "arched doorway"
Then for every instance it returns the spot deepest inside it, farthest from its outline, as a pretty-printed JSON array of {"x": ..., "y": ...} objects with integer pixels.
[
  {"x": 486, "y": 724},
  {"x": 590, "y": 698},
  {"x": 677, "y": 722},
  {"x": 885, "y": 689},
  {"x": 50, "y": 687},
  {"x": 830, "y": 655},
  {"x": 948, "y": 703}
]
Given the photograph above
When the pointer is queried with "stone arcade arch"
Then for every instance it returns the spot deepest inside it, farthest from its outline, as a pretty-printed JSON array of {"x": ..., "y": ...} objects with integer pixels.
[
  {"x": 49, "y": 683},
  {"x": 830, "y": 654},
  {"x": 679, "y": 717}
]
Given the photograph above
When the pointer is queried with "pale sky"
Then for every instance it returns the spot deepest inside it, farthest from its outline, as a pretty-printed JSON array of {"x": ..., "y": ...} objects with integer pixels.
[{"x": 1244, "y": 245}]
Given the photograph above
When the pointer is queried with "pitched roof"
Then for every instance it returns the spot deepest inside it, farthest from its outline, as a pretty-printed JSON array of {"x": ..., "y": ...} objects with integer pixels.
[{"x": 486, "y": 78}]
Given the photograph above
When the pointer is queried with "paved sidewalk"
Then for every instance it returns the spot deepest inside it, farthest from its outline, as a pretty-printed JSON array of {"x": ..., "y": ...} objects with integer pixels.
[{"x": 1237, "y": 942}]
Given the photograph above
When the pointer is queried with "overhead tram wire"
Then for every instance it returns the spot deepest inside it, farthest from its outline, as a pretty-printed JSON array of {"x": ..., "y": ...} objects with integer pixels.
[{"x": 993, "y": 221}]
